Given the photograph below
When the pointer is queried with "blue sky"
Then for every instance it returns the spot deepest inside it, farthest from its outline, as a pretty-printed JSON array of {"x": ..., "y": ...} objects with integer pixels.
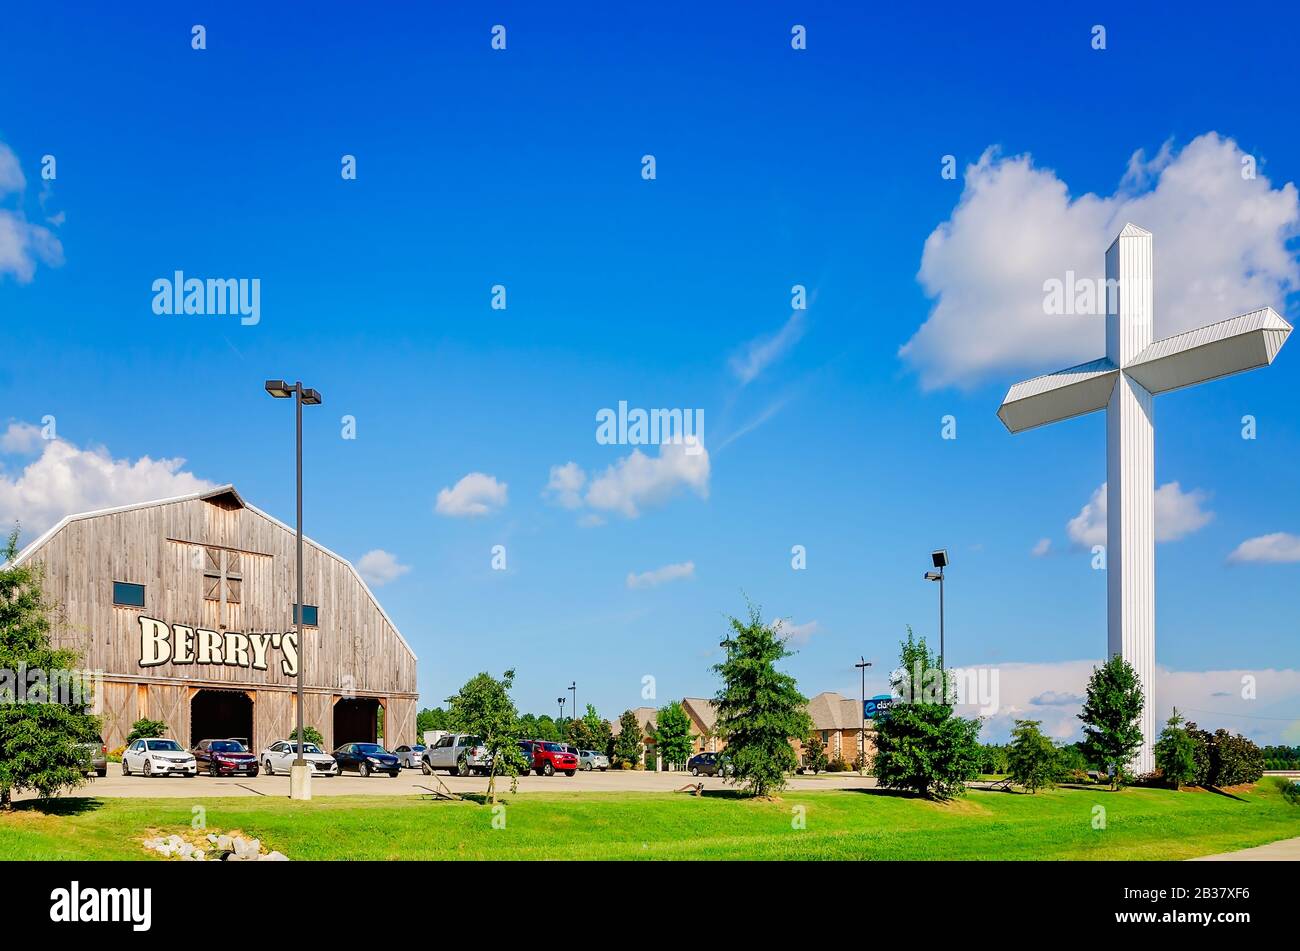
[{"x": 774, "y": 167}]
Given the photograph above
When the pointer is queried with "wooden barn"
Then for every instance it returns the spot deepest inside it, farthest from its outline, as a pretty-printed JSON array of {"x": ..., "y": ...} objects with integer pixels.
[{"x": 186, "y": 606}]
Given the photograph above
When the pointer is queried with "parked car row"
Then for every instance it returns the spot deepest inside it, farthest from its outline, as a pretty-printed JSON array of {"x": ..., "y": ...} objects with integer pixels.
[{"x": 162, "y": 756}]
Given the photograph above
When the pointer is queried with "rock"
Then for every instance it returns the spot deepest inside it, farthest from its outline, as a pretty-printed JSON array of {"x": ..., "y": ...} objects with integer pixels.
[
  {"x": 275, "y": 857},
  {"x": 212, "y": 837}
]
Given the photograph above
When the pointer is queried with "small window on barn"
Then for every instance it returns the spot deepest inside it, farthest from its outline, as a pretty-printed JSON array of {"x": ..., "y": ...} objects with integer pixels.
[
  {"x": 310, "y": 615},
  {"x": 128, "y": 595}
]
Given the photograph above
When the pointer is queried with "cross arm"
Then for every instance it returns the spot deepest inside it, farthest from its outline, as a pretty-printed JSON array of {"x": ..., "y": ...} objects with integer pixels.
[
  {"x": 1231, "y": 346},
  {"x": 1060, "y": 395}
]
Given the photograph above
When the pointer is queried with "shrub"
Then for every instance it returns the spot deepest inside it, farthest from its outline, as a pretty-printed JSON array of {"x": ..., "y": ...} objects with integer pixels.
[
  {"x": 1176, "y": 752},
  {"x": 1224, "y": 759},
  {"x": 1290, "y": 789},
  {"x": 146, "y": 729},
  {"x": 1032, "y": 760},
  {"x": 837, "y": 766}
]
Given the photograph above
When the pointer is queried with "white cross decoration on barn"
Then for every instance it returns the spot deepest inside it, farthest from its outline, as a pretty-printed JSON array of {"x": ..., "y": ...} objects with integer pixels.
[{"x": 1123, "y": 383}]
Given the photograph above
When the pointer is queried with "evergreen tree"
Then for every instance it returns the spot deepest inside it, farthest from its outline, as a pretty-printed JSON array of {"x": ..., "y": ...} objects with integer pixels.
[
  {"x": 1032, "y": 760},
  {"x": 41, "y": 731},
  {"x": 629, "y": 745},
  {"x": 760, "y": 709},
  {"x": 1112, "y": 717},
  {"x": 672, "y": 734},
  {"x": 922, "y": 745},
  {"x": 1176, "y": 752}
]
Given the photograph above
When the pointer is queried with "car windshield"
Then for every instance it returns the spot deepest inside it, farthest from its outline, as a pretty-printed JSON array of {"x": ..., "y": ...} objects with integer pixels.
[
  {"x": 370, "y": 748},
  {"x": 554, "y": 748},
  {"x": 472, "y": 741},
  {"x": 417, "y": 749},
  {"x": 165, "y": 746},
  {"x": 227, "y": 746},
  {"x": 307, "y": 748}
]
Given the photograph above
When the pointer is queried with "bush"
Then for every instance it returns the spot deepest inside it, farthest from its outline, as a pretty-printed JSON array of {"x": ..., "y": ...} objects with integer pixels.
[
  {"x": 1032, "y": 761},
  {"x": 1224, "y": 759},
  {"x": 837, "y": 766},
  {"x": 1175, "y": 752},
  {"x": 145, "y": 729},
  {"x": 115, "y": 754},
  {"x": 1290, "y": 789}
]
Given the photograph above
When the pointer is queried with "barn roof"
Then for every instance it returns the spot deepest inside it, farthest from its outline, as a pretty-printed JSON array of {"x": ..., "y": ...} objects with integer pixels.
[{"x": 227, "y": 497}]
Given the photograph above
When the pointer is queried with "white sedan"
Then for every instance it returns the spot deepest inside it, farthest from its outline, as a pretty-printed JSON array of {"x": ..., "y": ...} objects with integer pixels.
[
  {"x": 158, "y": 757},
  {"x": 409, "y": 756},
  {"x": 279, "y": 758}
]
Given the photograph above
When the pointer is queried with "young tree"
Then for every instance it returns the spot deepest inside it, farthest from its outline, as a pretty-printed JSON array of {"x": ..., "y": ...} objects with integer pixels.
[
  {"x": 1032, "y": 760},
  {"x": 922, "y": 745},
  {"x": 1112, "y": 717},
  {"x": 483, "y": 708},
  {"x": 672, "y": 734},
  {"x": 39, "y": 737},
  {"x": 430, "y": 719},
  {"x": 814, "y": 753},
  {"x": 629, "y": 745},
  {"x": 760, "y": 709},
  {"x": 1176, "y": 752}
]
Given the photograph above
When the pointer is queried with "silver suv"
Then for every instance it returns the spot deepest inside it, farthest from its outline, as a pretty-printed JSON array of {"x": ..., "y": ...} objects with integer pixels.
[{"x": 457, "y": 753}]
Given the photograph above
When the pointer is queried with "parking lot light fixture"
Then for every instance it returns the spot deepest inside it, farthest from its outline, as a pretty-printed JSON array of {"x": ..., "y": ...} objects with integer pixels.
[
  {"x": 939, "y": 558},
  {"x": 300, "y": 773}
]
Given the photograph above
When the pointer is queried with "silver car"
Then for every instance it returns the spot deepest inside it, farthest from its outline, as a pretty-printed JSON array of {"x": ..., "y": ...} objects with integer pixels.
[
  {"x": 409, "y": 756},
  {"x": 280, "y": 756},
  {"x": 590, "y": 759}
]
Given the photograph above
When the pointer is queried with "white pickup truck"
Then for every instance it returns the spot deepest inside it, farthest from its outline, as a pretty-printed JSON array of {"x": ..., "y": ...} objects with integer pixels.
[{"x": 457, "y": 753}]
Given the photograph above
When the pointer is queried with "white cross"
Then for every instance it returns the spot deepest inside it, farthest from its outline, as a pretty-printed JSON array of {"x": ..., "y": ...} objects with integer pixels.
[{"x": 1123, "y": 383}]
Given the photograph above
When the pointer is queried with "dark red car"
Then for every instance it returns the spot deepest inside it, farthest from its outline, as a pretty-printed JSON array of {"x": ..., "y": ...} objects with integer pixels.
[
  {"x": 224, "y": 758},
  {"x": 552, "y": 758}
]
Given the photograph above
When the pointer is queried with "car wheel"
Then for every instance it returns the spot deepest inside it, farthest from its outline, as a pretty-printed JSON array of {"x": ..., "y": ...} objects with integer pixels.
[
  {"x": 462, "y": 767},
  {"x": 148, "y": 768},
  {"x": 548, "y": 770},
  {"x": 395, "y": 773},
  {"x": 101, "y": 773},
  {"x": 569, "y": 772},
  {"x": 695, "y": 771},
  {"x": 266, "y": 768},
  {"x": 425, "y": 768},
  {"x": 364, "y": 770},
  {"x": 126, "y": 770},
  {"x": 212, "y": 770}
]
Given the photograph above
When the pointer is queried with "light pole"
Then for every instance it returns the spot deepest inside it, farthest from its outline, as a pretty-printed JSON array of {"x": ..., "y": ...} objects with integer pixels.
[
  {"x": 560, "y": 701},
  {"x": 939, "y": 558},
  {"x": 300, "y": 772},
  {"x": 862, "y": 665},
  {"x": 573, "y": 689}
]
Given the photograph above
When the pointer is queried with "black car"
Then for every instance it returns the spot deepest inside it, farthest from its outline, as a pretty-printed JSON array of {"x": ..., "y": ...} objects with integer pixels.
[
  {"x": 706, "y": 764},
  {"x": 366, "y": 758},
  {"x": 224, "y": 757}
]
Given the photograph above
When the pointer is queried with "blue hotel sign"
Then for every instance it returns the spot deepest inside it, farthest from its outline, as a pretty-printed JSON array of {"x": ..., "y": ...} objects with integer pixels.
[{"x": 878, "y": 707}]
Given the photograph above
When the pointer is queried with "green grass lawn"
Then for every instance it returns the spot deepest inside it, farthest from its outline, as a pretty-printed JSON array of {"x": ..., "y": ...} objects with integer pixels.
[{"x": 840, "y": 824}]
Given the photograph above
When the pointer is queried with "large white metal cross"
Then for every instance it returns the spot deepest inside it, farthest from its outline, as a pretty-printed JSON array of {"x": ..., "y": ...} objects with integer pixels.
[{"x": 1123, "y": 383}]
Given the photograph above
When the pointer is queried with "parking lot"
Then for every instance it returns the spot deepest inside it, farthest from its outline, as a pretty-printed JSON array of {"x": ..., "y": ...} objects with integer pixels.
[{"x": 412, "y": 782}]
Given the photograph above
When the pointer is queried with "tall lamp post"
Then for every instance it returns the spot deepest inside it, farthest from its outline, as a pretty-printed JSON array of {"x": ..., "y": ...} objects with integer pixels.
[
  {"x": 300, "y": 772},
  {"x": 573, "y": 689},
  {"x": 862, "y": 665},
  {"x": 560, "y": 701},
  {"x": 940, "y": 560}
]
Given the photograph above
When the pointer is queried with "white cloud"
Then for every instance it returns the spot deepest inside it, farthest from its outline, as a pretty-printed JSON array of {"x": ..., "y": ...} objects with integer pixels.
[
  {"x": 1220, "y": 245},
  {"x": 796, "y": 633},
  {"x": 658, "y": 576},
  {"x": 22, "y": 244},
  {"x": 762, "y": 352},
  {"x": 379, "y": 567},
  {"x": 638, "y": 480},
  {"x": 20, "y": 439},
  {"x": 1177, "y": 515},
  {"x": 565, "y": 485},
  {"x": 1277, "y": 547},
  {"x": 1042, "y": 548},
  {"x": 65, "y": 480},
  {"x": 475, "y": 494}
]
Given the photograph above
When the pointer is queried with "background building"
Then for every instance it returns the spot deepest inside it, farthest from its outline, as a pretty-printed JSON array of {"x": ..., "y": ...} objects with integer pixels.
[{"x": 186, "y": 606}]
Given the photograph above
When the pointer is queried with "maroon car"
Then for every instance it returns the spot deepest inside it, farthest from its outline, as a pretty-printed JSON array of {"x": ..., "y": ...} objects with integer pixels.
[
  {"x": 224, "y": 758},
  {"x": 550, "y": 758}
]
